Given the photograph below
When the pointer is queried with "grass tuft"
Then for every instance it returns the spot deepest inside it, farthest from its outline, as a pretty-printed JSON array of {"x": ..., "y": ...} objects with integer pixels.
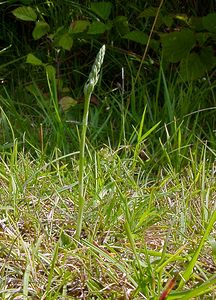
[{"x": 139, "y": 231}]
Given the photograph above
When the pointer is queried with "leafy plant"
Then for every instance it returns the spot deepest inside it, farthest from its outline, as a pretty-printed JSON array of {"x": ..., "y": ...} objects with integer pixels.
[{"x": 189, "y": 41}]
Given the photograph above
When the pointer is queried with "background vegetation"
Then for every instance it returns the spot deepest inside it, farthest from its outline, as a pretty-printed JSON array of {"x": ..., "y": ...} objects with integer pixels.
[{"x": 150, "y": 149}]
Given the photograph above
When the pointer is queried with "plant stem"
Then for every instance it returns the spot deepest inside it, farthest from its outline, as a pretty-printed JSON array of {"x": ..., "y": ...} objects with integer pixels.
[
  {"x": 81, "y": 168},
  {"x": 88, "y": 89}
]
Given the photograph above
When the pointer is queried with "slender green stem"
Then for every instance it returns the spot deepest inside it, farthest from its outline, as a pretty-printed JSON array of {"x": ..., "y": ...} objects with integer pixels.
[
  {"x": 88, "y": 89},
  {"x": 81, "y": 168}
]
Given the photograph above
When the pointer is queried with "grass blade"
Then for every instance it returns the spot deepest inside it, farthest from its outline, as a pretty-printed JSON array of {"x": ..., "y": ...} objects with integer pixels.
[{"x": 187, "y": 273}]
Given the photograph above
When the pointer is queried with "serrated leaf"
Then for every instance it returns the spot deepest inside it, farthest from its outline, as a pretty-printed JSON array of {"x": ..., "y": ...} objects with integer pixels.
[
  {"x": 66, "y": 41},
  {"x": 137, "y": 36},
  {"x": 79, "y": 26},
  {"x": 177, "y": 45},
  {"x": 209, "y": 22},
  {"x": 102, "y": 9},
  {"x": 67, "y": 102},
  {"x": 33, "y": 60},
  {"x": 25, "y": 13},
  {"x": 97, "y": 28},
  {"x": 41, "y": 28}
]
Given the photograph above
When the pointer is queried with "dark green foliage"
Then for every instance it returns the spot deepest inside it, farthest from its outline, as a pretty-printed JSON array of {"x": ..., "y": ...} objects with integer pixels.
[
  {"x": 66, "y": 35},
  {"x": 69, "y": 26}
]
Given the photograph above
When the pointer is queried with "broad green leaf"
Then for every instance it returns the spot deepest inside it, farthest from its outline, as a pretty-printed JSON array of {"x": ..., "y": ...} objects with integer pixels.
[
  {"x": 191, "y": 67},
  {"x": 66, "y": 41},
  {"x": 177, "y": 45},
  {"x": 121, "y": 25},
  {"x": 79, "y": 26},
  {"x": 163, "y": 16},
  {"x": 208, "y": 58},
  {"x": 195, "y": 65},
  {"x": 196, "y": 23},
  {"x": 137, "y": 36},
  {"x": 67, "y": 102},
  {"x": 25, "y": 13},
  {"x": 41, "y": 28},
  {"x": 202, "y": 37},
  {"x": 154, "y": 44},
  {"x": 97, "y": 28},
  {"x": 51, "y": 72},
  {"x": 167, "y": 20},
  {"x": 33, "y": 60},
  {"x": 209, "y": 22},
  {"x": 102, "y": 9},
  {"x": 60, "y": 31},
  {"x": 149, "y": 12}
]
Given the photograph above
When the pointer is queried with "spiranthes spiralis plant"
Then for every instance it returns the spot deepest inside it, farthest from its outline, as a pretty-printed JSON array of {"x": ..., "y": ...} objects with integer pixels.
[{"x": 88, "y": 90}]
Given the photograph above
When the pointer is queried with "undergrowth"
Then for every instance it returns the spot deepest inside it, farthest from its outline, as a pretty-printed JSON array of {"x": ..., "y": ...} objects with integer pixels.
[
  {"x": 147, "y": 226},
  {"x": 139, "y": 230}
]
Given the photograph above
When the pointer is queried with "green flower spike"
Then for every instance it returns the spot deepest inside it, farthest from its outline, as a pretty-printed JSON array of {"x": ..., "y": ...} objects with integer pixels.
[{"x": 88, "y": 89}]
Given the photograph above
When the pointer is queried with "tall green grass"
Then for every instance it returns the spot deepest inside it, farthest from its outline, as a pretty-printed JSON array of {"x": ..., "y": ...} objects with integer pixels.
[
  {"x": 138, "y": 229},
  {"x": 138, "y": 170}
]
